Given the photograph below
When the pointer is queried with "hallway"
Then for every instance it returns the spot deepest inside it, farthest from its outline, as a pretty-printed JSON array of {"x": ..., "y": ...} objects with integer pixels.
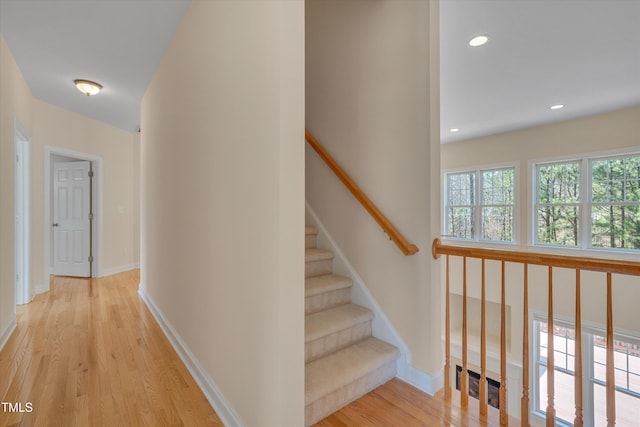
[{"x": 89, "y": 353}]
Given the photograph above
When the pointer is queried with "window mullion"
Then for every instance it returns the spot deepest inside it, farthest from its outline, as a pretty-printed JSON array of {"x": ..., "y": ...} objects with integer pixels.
[
  {"x": 477, "y": 232},
  {"x": 587, "y": 204}
]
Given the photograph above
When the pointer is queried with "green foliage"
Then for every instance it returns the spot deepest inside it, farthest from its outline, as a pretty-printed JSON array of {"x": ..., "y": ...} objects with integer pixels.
[
  {"x": 558, "y": 196},
  {"x": 498, "y": 200},
  {"x": 615, "y": 214},
  {"x": 461, "y": 198}
]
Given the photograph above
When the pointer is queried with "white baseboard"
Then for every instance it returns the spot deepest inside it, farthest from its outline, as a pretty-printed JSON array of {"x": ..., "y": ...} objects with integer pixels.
[
  {"x": 41, "y": 288},
  {"x": 430, "y": 384},
  {"x": 6, "y": 334},
  {"x": 211, "y": 391},
  {"x": 119, "y": 269},
  {"x": 381, "y": 326}
]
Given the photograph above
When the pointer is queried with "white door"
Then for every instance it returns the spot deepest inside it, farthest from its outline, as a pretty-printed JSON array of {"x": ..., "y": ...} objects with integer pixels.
[{"x": 71, "y": 222}]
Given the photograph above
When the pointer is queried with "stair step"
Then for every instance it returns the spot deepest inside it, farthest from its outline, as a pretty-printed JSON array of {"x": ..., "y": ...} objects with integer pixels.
[
  {"x": 327, "y": 291},
  {"x": 317, "y": 262},
  {"x": 339, "y": 378},
  {"x": 331, "y": 330},
  {"x": 310, "y": 236}
]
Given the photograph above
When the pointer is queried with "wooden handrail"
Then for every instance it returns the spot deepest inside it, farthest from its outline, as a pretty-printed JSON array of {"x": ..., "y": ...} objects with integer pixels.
[
  {"x": 406, "y": 247},
  {"x": 631, "y": 268}
]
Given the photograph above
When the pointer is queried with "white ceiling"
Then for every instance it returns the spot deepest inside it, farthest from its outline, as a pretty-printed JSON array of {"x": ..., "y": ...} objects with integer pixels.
[
  {"x": 118, "y": 43},
  {"x": 581, "y": 53}
]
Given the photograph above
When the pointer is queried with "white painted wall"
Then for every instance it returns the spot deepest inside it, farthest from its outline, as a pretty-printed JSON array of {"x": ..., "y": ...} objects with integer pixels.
[
  {"x": 372, "y": 101},
  {"x": 15, "y": 104},
  {"x": 223, "y": 203}
]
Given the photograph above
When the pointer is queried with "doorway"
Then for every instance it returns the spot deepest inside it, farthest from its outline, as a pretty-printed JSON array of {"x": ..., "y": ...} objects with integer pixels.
[
  {"x": 24, "y": 292},
  {"x": 72, "y": 217},
  {"x": 63, "y": 242}
]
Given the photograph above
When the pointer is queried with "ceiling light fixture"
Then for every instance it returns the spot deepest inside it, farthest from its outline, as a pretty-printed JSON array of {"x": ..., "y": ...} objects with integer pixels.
[
  {"x": 556, "y": 107},
  {"x": 478, "y": 41},
  {"x": 88, "y": 87},
  {"x": 454, "y": 130}
]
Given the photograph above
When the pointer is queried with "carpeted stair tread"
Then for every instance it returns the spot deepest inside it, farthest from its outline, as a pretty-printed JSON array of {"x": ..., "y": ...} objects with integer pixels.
[
  {"x": 326, "y": 283},
  {"x": 316, "y": 254},
  {"x": 325, "y": 375},
  {"x": 310, "y": 230},
  {"x": 326, "y": 322}
]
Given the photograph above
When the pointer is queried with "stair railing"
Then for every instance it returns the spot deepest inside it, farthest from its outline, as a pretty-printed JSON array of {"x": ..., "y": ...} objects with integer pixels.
[
  {"x": 402, "y": 243},
  {"x": 529, "y": 258}
]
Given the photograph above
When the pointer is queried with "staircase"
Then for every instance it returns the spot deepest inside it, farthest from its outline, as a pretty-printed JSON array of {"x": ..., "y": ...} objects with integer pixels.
[{"x": 343, "y": 361}]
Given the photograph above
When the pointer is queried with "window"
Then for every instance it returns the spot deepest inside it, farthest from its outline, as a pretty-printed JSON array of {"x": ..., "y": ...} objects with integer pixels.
[
  {"x": 615, "y": 198},
  {"x": 480, "y": 204},
  {"x": 564, "y": 358},
  {"x": 588, "y": 203},
  {"x": 558, "y": 203},
  {"x": 627, "y": 375}
]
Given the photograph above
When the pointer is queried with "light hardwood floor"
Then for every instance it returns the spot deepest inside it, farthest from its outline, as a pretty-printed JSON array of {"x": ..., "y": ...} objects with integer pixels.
[
  {"x": 398, "y": 404},
  {"x": 89, "y": 353}
]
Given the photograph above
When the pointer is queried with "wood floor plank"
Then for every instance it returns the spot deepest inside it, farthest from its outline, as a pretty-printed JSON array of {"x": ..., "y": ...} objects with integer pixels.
[
  {"x": 397, "y": 403},
  {"x": 89, "y": 353}
]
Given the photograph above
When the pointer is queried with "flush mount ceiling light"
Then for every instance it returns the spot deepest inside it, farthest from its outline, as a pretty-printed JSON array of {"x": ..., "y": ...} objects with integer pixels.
[
  {"x": 478, "y": 41},
  {"x": 88, "y": 87},
  {"x": 454, "y": 130},
  {"x": 556, "y": 107}
]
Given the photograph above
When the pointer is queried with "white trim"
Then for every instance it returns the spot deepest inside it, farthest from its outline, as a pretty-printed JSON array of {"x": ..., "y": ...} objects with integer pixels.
[
  {"x": 430, "y": 384},
  {"x": 7, "y": 333},
  {"x": 210, "y": 390},
  {"x": 22, "y": 145},
  {"x": 97, "y": 188},
  {"x": 381, "y": 326},
  {"x": 477, "y": 241},
  {"x": 589, "y": 330},
  {"x": 119, "y": 269}
]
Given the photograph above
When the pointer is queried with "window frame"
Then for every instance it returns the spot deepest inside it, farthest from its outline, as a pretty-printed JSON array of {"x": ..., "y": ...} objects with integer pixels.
[
  {"x": 589, "y": 332},
  {"x": 478, "y": 205},
  {"x": 585, "y": 204},
  {"x": 591, "y": 203}
]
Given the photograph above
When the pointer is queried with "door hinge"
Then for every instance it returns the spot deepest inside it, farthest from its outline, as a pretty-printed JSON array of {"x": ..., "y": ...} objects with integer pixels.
[
  {"x": 90, "y": 174},
  {"x": 90, "y": 258},
  {"x": 90, "y": 217}
]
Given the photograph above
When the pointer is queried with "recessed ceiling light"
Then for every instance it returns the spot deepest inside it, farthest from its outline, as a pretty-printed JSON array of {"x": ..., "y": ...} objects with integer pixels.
[
  {"x": 454, "y": 130},
  {"x": 88, "y": 87},
  {"x": 478, "y": 41},
  {"x": 557, "y": 106}
]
